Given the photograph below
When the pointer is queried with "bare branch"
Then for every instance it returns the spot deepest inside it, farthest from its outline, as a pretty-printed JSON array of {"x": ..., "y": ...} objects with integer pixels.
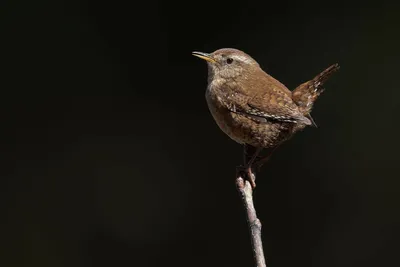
[{"x": 245, "y": 189}]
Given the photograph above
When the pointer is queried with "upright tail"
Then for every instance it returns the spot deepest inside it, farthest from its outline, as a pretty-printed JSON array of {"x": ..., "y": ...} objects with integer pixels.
[{"x": 307, "y": 93}]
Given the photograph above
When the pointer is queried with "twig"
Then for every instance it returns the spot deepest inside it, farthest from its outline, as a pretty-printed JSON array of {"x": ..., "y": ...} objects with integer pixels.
[{"x": 246, "y": 192}]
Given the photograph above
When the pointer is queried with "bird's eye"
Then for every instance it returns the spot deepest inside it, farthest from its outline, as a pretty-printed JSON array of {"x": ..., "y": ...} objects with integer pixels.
[{"x": 229, "y": 60}]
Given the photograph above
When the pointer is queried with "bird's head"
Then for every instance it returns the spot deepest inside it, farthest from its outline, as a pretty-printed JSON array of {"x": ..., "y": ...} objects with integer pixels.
[{"x": 228, "y": 63}]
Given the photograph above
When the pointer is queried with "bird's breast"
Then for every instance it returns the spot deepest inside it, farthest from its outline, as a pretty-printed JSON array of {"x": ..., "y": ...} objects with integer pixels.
[{"x": 222, "y": 116}]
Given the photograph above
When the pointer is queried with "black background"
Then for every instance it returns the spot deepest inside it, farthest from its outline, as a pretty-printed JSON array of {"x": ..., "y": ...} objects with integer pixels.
[{"x": 110, "y": 156}]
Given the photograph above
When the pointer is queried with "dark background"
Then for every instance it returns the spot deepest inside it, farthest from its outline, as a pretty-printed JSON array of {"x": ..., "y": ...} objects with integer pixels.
[{"x": 110, "y": 156}]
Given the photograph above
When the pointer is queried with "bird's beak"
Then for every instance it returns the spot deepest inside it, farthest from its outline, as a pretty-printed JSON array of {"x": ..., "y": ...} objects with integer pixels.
[{"x": 204, "y": 56}]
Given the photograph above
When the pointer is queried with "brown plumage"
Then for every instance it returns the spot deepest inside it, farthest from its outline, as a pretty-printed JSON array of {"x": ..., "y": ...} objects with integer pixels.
[
  {"x": 306, "y": 93},
  {"x": 252, "y": 107}
]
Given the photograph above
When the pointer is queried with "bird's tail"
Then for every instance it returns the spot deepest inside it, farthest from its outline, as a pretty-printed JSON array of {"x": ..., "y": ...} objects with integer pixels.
[{"x": 307, "y": 93}]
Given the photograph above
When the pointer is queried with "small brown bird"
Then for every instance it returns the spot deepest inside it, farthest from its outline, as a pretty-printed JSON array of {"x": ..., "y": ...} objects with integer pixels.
[{"x": 252, "y": 107}]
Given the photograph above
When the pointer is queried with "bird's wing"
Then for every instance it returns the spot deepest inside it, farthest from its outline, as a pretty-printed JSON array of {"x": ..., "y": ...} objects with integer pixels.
[
  {"x": 275, "y": 104},
  {"x": 271, "y": 102}
]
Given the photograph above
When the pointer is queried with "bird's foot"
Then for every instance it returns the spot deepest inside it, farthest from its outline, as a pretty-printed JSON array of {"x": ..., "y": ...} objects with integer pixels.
[{"x": 247, "y": 173}]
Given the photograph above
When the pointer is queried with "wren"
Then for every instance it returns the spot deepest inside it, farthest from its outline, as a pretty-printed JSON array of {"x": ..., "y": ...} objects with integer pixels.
[{"x": 253, "y": 108}]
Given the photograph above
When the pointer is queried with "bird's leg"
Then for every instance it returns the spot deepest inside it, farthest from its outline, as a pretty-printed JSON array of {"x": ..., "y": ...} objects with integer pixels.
[
  {"x": 258, "y": 164},
  {"x": 248, "y": 162}
]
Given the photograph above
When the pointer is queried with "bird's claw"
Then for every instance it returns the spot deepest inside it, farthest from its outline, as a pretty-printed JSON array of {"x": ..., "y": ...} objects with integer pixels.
[{"x": 247, "y": 174}]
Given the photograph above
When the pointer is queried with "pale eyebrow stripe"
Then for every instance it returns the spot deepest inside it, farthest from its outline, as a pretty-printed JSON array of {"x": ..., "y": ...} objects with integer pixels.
[{"x": 241, "y": 58}]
